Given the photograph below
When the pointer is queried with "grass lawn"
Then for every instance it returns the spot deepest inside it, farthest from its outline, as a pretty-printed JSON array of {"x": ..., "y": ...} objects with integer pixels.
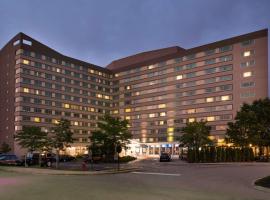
[{"x": 264, "y": 182}]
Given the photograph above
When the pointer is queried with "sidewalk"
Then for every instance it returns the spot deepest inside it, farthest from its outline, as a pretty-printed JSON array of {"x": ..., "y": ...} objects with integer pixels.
[{"x": 46, "y": 171}]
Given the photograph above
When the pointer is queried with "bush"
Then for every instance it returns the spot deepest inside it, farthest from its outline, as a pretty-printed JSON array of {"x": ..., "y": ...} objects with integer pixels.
[
  {"x": 264, "y": 182},
  {"x": 126, "y": 159}
]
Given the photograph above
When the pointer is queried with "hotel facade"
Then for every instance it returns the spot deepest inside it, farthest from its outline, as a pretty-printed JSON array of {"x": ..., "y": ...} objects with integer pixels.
[{"x": 158, "y": 91}]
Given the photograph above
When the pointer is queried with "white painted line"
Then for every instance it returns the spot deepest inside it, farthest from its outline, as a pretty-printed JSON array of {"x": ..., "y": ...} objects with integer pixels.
[{"x": 152, "y": 173}]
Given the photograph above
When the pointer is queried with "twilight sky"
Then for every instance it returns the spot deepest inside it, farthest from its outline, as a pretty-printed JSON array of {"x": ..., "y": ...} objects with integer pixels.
[{"x": 104, "y": 30}]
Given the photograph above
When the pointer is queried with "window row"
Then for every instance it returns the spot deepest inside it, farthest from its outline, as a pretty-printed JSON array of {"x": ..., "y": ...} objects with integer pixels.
[
  {"x": 60, "y": 62},
  {"x": 206, "y": 109}
]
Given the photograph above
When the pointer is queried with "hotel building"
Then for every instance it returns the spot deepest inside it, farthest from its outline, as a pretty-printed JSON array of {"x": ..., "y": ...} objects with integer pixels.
[{"x": 157, "y": 91}]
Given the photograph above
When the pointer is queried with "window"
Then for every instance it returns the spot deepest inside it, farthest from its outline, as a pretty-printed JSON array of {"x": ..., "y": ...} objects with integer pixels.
[
  {"x": 247, "y": 74},
  {"x": 191, "y": 120},
  {"x": 190, "y": 111},
  {"x": 162, "y": 114},
  {"x": 26, "y": 90},
  {"x": 248, "y": 84},
  {"x": 210, "y": 52},
  {"x": 210, "y": 118},
  {"x": 247, "y": 94},
  {"x": 151, "y": 67},
  {"x": 248, "y": 63},
  {"x": 26, "y": 62},
  {"x": 210, "y": 61},
  {"x": 248, "y": 53},
  {"x": 209, "y": 99},
  {"x": 225, "y": 98},
  {"x": 151, "y": 115},
  {"x": 66, "y": 105},
  {"x": 16, "y": 42},
  {"x": 191, "y": 75},
  {"x": 27, "y": 42},
  {"x": 247, "y": 42},
  {"x": 179, "y": 77},
  {"x": 37, "y": 119},
  {"x": 162, "y": 106},
  {"x": 225, "y": 48},
  {"x": 127, "y": 87},
  {"x": 128, "y": 110},
  {"x": 225, "y": 58}
]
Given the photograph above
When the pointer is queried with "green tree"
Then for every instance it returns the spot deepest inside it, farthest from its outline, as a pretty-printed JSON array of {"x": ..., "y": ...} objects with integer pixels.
[
  {"x": 196, "y": 135},
  {"x": 61, "y": 137},
  {"x": 111, "y": 136},
  {"x": 251, "y": 125},
  {"x": 5, "y": 148},
  {"x": 32, "y": 138}
]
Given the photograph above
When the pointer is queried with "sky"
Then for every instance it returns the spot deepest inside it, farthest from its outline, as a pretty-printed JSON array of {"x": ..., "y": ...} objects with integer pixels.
[{"x": 100, "y": 31}]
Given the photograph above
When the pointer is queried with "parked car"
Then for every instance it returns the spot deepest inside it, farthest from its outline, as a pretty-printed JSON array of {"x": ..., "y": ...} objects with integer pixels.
[
  {"x": 165, "y": 157},
  {"x": 46, "y": 159},
  {"x": 10, "y": 159}
]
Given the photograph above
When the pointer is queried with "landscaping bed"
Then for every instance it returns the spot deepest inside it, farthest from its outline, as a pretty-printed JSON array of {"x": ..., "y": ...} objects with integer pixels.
[{"x": 264, "y": 182}]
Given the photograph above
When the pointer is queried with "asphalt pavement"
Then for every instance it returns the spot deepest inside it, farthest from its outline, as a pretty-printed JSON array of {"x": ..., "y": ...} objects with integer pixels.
[{"x": 152, "y": 181}]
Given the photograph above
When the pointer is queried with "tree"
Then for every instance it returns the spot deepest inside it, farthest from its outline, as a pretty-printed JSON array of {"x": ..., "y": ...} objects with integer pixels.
[
  {"x": 111, "y": 136},
  {"x": 32, "y": 138},
  {"x": 196, "y": 135},
  {"x": 251, "y": 125},
  {"x": 5, "y": 148},
  {"x": 61, "y": 137}
]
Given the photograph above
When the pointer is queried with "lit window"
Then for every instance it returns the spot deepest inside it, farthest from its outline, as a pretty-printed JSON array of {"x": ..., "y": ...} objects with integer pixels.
[
  {"x": 247, "y": 53},
  {"x": 137, "y": 93},
  {"x": 162, "y": 106},
  {"x": 106, "y": 97},
  {"x": 221, "y": 127},
  {"x": 210, "y": 119},
  {"x": 37, "y": 119},
  {"x": 92, "y": 71},
  {"x": 127, "y": 117},
  {"x": 91, "y": 109},
  {"x": 225, "y": 98},
  {"x": 209, "y": 99},
  {"x": 128, "y": 110},
  {"x": 179, "y": 77},
  {"x": 55, "y": 121},
  {"x": 26, "y": 90},
  {"x": 66, "y": 105},
  {"x": 190, "y": 111},
  {"x": 161, "y": 122},
  {"x": 58, "y": 70},
  {"x": 128, "y": 87},
  {"x": 151, "y": 67},
  {"x": 171, "y": 129},
  {"x": 115, "y": 112},
  {"x": 247, "y": 74},
  {"x": 26, "y": 62},
  {"x": 151, "y": 115},
  {"x": 191, "y": 120},
  {"x": 99, "y": 95},
  {"x": 37, "y": 92},
  {"x": 162, "y": 114},
  {"x": 116, "y": 75},
  {"x": 76, "y": 123}
]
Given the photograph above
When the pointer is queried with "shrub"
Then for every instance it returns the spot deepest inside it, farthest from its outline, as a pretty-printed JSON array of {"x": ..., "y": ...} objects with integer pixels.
[{"x": 126, "y": 159}]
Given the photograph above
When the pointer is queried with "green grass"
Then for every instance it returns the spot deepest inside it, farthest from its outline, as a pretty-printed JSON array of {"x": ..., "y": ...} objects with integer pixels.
[{"x": 264, "y": 182}]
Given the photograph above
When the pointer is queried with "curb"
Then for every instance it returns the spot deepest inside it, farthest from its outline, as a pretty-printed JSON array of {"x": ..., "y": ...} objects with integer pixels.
[{"x": 64, "y": 172}]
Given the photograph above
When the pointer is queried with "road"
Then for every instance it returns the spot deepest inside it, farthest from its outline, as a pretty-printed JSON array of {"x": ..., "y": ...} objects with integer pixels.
[{"x": 153, "y": 181}]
